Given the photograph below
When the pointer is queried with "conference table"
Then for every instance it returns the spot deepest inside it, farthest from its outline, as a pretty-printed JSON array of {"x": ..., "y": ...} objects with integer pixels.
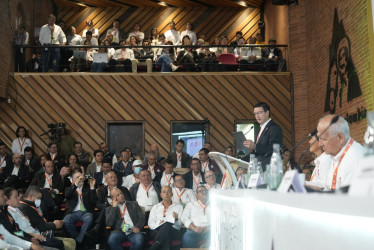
[{"x": 262, "y": 219}]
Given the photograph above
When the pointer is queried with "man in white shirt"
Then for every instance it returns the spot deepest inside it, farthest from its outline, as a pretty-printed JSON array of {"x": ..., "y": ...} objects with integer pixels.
[
  {"x": 343, "y": 150},
  {"x": 51, "y": 35},
  {"x": 126, "y": 221},
  {"x": 128, "y": 181},
  {"x": 93, "y": 41},
  {"x": 196, "y": 218},
  {"x": 16, "y": 174},
  {"x": 73, "y": 39},
  {"x": 322, "y": 164},
  {"x": 249, "y": 56},
  {"x": 122, "y": 56},
  {"x": 191, "y": 34},
  {"x": 172, "y": 34},
  {"x": 163, "y": 220},
  {"x": 166, "y": 178},
  {"x": 181, "y": 194},
  {"x": 95, "y": 166},
  {"x": 137, "y": 33},
  {"x": 210, "y": 180}
]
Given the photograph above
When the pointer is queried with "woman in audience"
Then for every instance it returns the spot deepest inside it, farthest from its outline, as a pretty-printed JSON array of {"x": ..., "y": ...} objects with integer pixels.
[
  {"x": 95, "y": 32},
  {"x": 78, "y": 64},
  {"x": 191, "y": 34},
  {"x": 100, "y": 66},
  {"x": 185, "y": 39},
  {"x": 42, "y": 160},
  {"x": 21, "y": 142},
  {"x": 217, "y": 41},
  {"x": 187, "y": 58},
  {"x": 139, "y": 36},
  {"x": 166, "y": 59},
  {"x": 154, "y": 36},
  {"x": 207, "y": 59}
]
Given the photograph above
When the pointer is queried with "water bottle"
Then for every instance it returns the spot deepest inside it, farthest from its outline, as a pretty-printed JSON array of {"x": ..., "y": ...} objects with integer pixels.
[
  {"x": 276, "y": 168},
  {"x": 251, "y": 166},
  {"x": 265, "y": 179}
]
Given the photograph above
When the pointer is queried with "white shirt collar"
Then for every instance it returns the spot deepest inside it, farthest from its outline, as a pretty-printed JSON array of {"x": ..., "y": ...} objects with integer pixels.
[
  {"x": 337, "y": 157},
  {"x": 266, "y": 123}
]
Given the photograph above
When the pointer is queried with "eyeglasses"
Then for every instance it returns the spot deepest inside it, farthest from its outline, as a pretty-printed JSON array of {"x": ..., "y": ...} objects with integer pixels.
[{"x": 259, "y": 113}]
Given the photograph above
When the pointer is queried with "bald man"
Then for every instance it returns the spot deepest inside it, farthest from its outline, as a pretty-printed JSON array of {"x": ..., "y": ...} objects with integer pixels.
[
  {"x": 345, "y": 153},
  {"x": 16, "y": 174}
]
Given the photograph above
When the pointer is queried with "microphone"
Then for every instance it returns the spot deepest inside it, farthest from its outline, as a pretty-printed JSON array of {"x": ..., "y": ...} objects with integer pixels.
[
  {"x": 313, "y": 133},
  {"x": 333, "y": 121},
  {"x": 249, "y": 130}
]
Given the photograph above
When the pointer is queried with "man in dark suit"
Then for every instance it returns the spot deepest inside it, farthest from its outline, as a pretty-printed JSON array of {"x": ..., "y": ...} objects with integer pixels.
[
  {"x": 82, "y": 156},
  {"x": 152, "y": 166},
  {"x": 51, "y": 185},
  {"x": 180, "y": 159},
  {"x": 195, "y": 176},
  {"x": 124, "y": 167},
  {"x": 106, "y": 167},
  {"x": 5, "y": 160},
  {"x": 80, "y": 203},
  {"x": 126, "y": 220},
  {"x": 270, "y": 133},
  {"x": 117, "y": 33},
  {"x": 30, "y": 160},
  {"x": 273, "y": 55},
  {"x": 53, "y": 155},
  {"x": 17, "y": 174}
]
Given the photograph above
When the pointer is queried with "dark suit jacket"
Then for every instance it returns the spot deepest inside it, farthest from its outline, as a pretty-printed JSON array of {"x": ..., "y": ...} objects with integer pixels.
[
  {"x": 39, "y": 181},
  {"x": 185, "y": 159},
  {"x": 23, "y": 173},
  {"x": 108, "y": 156},
  {"x": 88, "y": 195},
  {"x": 189, "y": 181},
  {"x": 103, "y": 194},
  {"x": 121, "y": 170},
  {"x": 158, "y": 168},
  {"x": 11, "y": 226},
  {"x": 272, "y": 134},
  {"x": 59, "y": 161},
  {"x": 83, "y": 159},
  {"x": 36, "y": 220},
  {"x": 114, "y": 219},
  {"x": 33, "y": 163},
  {"x": 8, "y": 160},
  {"x": 266, "y": 52},
  {"x": 121, "y": 34},
  {"x": 134, "y": 190}
]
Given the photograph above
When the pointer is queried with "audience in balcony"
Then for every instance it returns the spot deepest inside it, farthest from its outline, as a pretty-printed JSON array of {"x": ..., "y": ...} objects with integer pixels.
[
  {"x": 21, "y": 38},
  {"x": 273, "y": 56},
  {"x": 190, "y": 33},
  {"x": 173, "y": 34},
  {"x": 117, "y": 32},
  {"x": 137, "y": 34}
]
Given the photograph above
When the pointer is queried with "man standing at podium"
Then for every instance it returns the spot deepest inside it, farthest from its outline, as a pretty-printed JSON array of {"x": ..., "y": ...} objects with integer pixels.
[{"x": 270, "y": 133}]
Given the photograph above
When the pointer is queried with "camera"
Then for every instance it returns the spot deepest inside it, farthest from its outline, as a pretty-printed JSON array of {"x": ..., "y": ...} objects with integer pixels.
[{"x": 87, "y": 176}]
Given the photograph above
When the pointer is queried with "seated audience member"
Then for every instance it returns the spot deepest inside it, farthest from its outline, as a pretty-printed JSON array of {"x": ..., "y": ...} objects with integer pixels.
[
  {"x": 273, "y": 55},
  {"x": 53, "y": 155},
  {"x": 128, "y": 150},
  {"x": 166, "y": 178},
  {"x": 172, "y": 34},
  {"x": 207, "y": 145},
  {"x": 195, "y": 176},
  {"x": 116, "y": 32},
  {"x": 89, "y": 38},
  {"x": 103, "y": 193},
  {"x": 131, "y": 179},
  {"x": 95, "y": 32},
  {"x": 51, "y": 185},
  {"x": 17, "y": 174},
  {"x": 322, "y": 164},
  {"x": 229, "y": 151},
  {"x": 35, "y": 63},
  {"x": 42, "y": 159},
  {"x": 288, "y": 163},
  {"x": 122, "y": 56},
  {"x": 166, "y": 59},
  {"x": 199, "y": 42},
  {"x": 137, "y": 33},
  {"x": 185, "y": 39},
  {"x": 7, "y": 230},
  {"x": 30, "y": 160},
  {"x": 158, "y": 51},
  {"x": 106, "y": 167},
  {"x": 68, "y": 171},
  {"x": 21, "y": 142},
  {"x": 179, "y": 158},
  {"x": 181, "y": 194},
  {"x": 83, "y": 157},
  {"x": 23, "y": 222},
  {"x": 196, "y": 218},
  {"x": 162, "y": 220},
  {"x": 107, "y": 154},
  {"x": 217, "y": 41},
  {"x": 260, "y": 39},
  {"x": 146, "y": 192},
  {"x": 207, "y": 163},
  {"x": 29, "y": 206},
  {"x": 238, "y": 36},
  {"x": 101, "y": 66},
  {"x": 345, "y": 152},
  {"x": 250, "y": 55},
  {"x": 80, "y": 203},
  {"x": 210, "y": 180},
  {"x": 187, "y": 58},
  {"x": 143, "y": 57},
  {"x": 126, "y": 220},
  {"x": 153, "y": 37},
  {"x": 224, "y": 41},
  {"x": 153, "y": 167},
  {"x": 96, "y": 166},
  {"x": 190, "y": 33},
  {"x": 241, "y": 176},
  {"x": 207, "y": 59},
  {"x": 124, "y": 166},
  {"x": 159, "y": 157},
  {"x": 82, "y": 64}
]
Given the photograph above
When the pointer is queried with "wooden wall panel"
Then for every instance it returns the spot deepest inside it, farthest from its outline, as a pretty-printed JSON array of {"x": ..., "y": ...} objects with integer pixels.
[
  {"x": 86, "y": 100},
  {"x": 209, "y": 21}
]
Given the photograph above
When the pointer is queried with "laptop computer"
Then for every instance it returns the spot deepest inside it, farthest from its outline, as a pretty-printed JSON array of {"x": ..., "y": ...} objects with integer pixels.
[
  {"x": 79, "y": 54},
  {"x": 100, "y": 58}
]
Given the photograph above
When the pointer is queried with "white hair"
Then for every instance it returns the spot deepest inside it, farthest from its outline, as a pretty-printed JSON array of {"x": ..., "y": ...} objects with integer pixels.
[{"x": 340, "y": 126}]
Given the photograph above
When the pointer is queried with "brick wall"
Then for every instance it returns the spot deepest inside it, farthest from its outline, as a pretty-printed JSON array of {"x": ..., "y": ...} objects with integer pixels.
[{"x": 310, "y": 33}]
